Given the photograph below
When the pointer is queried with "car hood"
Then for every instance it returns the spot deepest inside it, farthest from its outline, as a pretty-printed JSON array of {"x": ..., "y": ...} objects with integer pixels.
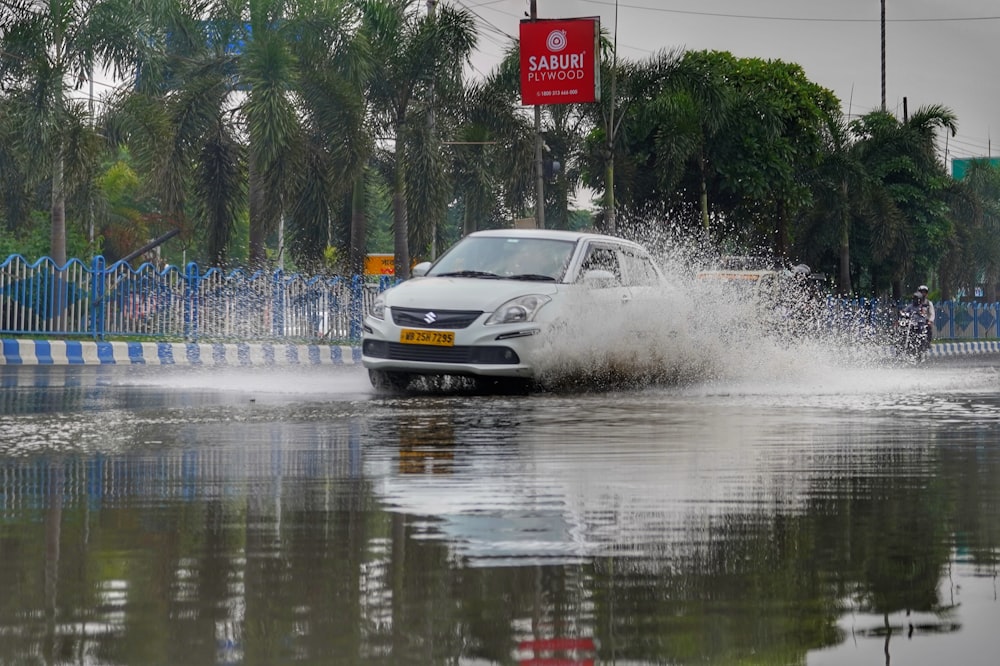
[{"x": 455, "y": 293}]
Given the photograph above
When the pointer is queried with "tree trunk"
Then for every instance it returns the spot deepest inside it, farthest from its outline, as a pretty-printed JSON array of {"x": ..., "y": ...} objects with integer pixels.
[
  {"x": 780, "y": 230},
  {"x": 610, "y": 220},
  {"x": 704, "y": 194},
  {"x": 844, "y": 280},
  {"x": 468, "y": 219},
  {"x": 258, "y": 228},
  {"x": 401, "y": 243},
  {"x": 57, "y": 240},
  {"x": 359, "y": 226},
  {"x": 897, "y": 289}
]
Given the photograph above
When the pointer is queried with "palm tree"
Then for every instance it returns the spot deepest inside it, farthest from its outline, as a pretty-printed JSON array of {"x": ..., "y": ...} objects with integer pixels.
[
  {"x": 489, "y": 134},
  {"x": 973, "y": 254},
  {"x": 334, "y": 61},
  {"x": 261, "y": 99},
  {"x": 48, "y": 50},
  {"x": 695, "y": 111},
  {"x": 178, "y": 123},
  {"x": 902, "y": 156},
  {"x": 624, "y": 86},
  {"x": 414, "y": 55},
  {"x": 493, "y": 112},
  {"x": 845, "y": 197}
]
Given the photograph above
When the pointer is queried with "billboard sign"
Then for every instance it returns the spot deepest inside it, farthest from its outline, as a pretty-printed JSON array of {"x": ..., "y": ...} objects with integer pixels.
[{"x": 560, "y": 61}]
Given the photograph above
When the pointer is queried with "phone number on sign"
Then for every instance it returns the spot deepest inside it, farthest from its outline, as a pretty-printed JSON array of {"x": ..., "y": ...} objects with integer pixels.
[{"x": 558, "y": 93}]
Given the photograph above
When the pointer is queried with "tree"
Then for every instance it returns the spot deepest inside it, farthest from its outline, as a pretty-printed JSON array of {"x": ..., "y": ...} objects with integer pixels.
[
  {"x": 973, "y": 253},
  {"x": 258, "y": 98},
  {"x": 846, "y": 198},
  {"x": 48, "y": 50},
  {"x": 624, "y": 84},
  {"x": 492, "y": 160},
  {"x": 901, "y": 156},
  {"x": 693, "y": 115},
  {"x": 708, "y": 136},
  {"x": 411, "y": 51}
]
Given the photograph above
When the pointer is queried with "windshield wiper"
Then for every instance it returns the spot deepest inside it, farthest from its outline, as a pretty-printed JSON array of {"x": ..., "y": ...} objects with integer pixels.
[
  {"x": 532, "y": 277},
  {"x": 472, "y": 274}
]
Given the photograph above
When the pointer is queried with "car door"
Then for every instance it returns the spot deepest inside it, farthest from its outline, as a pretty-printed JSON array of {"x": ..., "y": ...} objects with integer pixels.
[
  {"x": 654, "y": 307},
  {"x": 604, "y": 290}
]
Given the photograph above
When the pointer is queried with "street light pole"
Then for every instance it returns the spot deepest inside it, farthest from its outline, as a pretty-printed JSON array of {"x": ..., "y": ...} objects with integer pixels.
[{"x": 539, "y": 167}]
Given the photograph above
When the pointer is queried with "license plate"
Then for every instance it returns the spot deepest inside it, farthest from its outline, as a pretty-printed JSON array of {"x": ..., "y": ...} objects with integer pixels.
[{"x": 411, "y": 336}]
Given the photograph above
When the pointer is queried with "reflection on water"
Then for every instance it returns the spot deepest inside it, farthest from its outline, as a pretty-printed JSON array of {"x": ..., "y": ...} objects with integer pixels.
[{"x": 282, "y": 519}]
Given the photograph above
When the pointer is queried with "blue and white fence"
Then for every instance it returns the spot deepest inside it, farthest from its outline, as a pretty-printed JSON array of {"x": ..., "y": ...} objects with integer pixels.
[
  {"x": 958, "y": 321},
  {"x": 98, "y": 300}
]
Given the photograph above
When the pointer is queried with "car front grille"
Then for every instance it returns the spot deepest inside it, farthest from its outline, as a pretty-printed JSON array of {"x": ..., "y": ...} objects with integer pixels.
[
  {"x": 423, "y": 318},
  {"x": 396, "y": 351}
]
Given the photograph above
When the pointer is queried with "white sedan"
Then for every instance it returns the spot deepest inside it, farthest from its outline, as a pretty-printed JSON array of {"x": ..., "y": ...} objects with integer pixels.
[{"x": 512, "y": 306}]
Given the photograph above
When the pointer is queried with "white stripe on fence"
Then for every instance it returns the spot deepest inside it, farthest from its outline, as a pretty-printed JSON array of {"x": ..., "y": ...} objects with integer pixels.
[{"x": 83, "y": 352}]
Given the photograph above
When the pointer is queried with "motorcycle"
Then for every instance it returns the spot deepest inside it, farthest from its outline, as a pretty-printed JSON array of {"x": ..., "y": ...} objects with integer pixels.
[{"x": 912, "y": 339}]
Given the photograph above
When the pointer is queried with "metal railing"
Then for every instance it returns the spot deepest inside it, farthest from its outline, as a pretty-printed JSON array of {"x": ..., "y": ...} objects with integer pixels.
[{"x": 100, "y": 300}]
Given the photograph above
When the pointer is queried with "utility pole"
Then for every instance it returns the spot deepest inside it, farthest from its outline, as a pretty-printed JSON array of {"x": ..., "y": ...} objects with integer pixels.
[
  {"x": 539, "y": 167},
  {"x": 431, "y": 14},
  {"x": 609, "y": 186},
  {"x": 883, "y": 55}
]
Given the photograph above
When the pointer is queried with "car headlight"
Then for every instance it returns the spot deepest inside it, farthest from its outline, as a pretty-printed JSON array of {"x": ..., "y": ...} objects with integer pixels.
[
  {"x": 522, "y": 308},
  {"x": 378, "y": 308}
]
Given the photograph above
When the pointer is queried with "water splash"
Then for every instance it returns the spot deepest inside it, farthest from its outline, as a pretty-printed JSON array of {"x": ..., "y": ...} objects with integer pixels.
[{"x": 707, "y": 329}]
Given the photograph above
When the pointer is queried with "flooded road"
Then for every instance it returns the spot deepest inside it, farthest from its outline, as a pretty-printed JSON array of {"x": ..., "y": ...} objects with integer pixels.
[{"x": 821, "y": 516}]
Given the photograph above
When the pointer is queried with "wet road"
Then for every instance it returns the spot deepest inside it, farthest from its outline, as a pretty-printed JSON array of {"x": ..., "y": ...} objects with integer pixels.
[{"x": 791, "y": 514}]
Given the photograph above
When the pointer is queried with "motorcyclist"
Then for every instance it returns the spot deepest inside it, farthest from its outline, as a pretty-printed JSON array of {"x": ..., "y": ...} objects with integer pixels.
[
  {"x": 928, "y": 306},
  {"x": 914, "y": 337}
]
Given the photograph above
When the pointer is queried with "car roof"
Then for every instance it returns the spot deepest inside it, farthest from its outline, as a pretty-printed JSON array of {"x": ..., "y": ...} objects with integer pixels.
[{"x": 552, "y": 234}]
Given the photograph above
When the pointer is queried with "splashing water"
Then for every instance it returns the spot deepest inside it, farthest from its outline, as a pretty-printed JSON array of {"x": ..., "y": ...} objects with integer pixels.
[{"x": 706, "y": 328}]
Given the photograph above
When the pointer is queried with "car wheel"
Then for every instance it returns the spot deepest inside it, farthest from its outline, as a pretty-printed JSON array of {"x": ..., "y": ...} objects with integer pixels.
[{"x": 385, "y": 380}]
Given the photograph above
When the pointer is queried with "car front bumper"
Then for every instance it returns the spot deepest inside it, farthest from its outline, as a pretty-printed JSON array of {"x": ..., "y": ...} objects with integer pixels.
[{"x": 494, "y": 351}]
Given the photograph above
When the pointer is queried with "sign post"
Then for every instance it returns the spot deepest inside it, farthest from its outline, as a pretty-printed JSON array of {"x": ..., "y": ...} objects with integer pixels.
[
  {"x": 559, "y": 65},
  {"x": 539, "y": 167}
]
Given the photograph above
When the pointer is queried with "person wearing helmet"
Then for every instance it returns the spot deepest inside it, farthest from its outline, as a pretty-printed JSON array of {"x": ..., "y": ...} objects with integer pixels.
[{"x": 928, "y": 305}]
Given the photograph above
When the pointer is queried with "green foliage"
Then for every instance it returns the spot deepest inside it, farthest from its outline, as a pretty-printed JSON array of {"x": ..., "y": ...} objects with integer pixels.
[
  {"x": 330, "y": 110},
  {"x": 32, "y": 240}
]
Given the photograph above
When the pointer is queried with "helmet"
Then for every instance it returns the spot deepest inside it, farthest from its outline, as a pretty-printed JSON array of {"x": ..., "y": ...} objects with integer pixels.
[
  {"x": 923, "y": 288},
  {"x": 917, "y": 294}
]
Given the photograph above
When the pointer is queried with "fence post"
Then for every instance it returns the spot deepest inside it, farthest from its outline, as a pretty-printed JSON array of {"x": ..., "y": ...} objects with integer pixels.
[
  {"x": 278, "y": 298},
  {"x": 191, "y": 282},
  {"x": 357, "y": 306},
  {"x": 98, "y": 289}
]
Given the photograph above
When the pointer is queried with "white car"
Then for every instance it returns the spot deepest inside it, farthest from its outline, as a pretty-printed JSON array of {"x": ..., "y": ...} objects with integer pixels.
[{"x": 506, "y": 307}]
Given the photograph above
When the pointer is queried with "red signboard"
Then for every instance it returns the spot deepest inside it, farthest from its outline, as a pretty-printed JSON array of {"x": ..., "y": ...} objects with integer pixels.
[{"x": 560, "y": 61}]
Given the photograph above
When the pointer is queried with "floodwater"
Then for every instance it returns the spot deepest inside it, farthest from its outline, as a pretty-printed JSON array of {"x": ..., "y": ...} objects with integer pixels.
[{"x": 807, "y": 515}]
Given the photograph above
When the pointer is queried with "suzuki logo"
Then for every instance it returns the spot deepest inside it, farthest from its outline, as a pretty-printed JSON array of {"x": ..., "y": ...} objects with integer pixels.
[{"x": 430, "y": 317}]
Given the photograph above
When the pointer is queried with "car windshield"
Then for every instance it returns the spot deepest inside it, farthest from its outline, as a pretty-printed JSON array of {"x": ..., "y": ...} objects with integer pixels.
[{"x": 506, "y": 257}]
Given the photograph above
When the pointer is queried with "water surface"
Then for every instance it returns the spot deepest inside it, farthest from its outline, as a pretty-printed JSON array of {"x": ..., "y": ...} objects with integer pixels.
[{"x": 784, "y": 515}]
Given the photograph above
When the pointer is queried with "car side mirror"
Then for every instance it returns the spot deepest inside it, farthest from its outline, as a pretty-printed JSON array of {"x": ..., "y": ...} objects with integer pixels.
[
  {"x": 599, "y": 278},
  {"x": 420, "y": 269}
]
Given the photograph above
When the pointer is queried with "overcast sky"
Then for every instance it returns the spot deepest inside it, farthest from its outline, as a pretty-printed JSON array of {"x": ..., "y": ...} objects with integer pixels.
[{"x": 937, "y": 51}]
